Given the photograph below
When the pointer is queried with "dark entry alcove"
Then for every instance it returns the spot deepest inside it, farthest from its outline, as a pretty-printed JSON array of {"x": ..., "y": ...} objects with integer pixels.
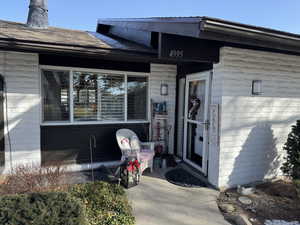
[{"x": 70, "y": 143}]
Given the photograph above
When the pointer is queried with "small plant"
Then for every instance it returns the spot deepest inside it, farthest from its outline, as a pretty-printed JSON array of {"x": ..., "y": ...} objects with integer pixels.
[
  {"x": 105, "y": 203},
  {"x": 291, "y": 167},
  {"x": 41, "y": 209},
  {"x": 30, "y": 178}
]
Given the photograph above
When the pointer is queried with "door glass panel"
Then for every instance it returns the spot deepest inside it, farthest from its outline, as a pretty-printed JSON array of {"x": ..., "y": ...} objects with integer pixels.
[
  {"x": 195, "y": 143},
  {"x": 196, "y": 100},
  {"x": 195, "y": 133}
]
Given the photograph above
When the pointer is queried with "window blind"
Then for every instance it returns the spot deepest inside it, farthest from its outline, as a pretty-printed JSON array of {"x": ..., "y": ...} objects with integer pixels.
[{"x": 111, "y": 97}]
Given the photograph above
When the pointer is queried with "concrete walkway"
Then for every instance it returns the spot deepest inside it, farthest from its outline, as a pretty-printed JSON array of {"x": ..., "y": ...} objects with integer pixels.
[{"x": 155, "y": 201}]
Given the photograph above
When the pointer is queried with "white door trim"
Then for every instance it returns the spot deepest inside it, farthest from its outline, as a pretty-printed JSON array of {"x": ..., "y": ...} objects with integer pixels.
[{"x": 205, "y": 76}]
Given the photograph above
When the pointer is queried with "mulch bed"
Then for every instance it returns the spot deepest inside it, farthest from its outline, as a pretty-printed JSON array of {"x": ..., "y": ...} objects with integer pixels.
[{"x": 270, "y": 201}]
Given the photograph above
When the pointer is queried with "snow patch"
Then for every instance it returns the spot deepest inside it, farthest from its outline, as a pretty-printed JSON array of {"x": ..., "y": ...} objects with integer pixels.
[{"x": 280, "y": 222}]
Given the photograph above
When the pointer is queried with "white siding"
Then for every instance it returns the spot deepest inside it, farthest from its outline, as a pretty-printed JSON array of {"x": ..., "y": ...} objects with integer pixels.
[
  {"x": 22, "y": 78},
  {"x": 255, "y": 128},
  {"x": 161, "y": 73},
  {"x": 214, "y": 149}
]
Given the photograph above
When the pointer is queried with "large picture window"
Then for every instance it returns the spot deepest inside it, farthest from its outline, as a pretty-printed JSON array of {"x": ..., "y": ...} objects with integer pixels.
[{"x": 94, "y": 97}]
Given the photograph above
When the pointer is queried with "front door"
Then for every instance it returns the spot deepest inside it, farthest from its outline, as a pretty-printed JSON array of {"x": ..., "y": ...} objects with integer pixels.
[{"x": 197, "y": 98}]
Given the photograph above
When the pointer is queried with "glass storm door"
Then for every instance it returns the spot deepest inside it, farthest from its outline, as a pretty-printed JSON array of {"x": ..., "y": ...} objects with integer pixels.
[{"x": 197, "y": 95}]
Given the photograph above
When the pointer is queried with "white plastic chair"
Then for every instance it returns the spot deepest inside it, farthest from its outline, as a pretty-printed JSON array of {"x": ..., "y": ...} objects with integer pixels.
[{"x": 130, "y": 145}]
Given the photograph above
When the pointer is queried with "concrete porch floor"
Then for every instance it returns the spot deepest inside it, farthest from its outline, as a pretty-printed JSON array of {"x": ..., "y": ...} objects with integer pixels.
[{"x": 155, "y": 201}]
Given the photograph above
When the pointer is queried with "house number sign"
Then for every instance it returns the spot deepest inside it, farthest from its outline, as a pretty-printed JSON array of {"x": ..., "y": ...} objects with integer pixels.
[
  {"x": 214, "y": 135},
  {"x": 176, "y": 53}
]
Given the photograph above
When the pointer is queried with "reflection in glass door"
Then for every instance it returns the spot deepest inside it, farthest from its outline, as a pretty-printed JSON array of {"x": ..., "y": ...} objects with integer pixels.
[
  {"x": 195, "y": 143},
  {"x": 196, "y": 109}
]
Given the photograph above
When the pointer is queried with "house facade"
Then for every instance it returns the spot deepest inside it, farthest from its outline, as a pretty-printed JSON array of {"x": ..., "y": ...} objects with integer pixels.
[
  {"x": 36, "y": 134},
  {"x": 232, "y": 94}
]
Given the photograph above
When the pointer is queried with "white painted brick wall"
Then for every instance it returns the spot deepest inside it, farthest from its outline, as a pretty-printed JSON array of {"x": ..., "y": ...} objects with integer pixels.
[
  {"x": 166, "y": 74},
  {"x": 216, "y": 98},
  {"x": 22, "y": 78},
  {"x": 255, "y": 128}
]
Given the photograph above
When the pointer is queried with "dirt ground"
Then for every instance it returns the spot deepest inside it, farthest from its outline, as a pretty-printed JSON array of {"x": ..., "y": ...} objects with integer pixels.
[{"x": 270, "y": 201}]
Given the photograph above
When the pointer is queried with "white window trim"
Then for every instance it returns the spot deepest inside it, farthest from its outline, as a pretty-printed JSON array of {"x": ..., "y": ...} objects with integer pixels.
[
  {"x": 125, "y": 97},
  {"x": 113, "y": 72},
  {"x": 71, "y": 103}
]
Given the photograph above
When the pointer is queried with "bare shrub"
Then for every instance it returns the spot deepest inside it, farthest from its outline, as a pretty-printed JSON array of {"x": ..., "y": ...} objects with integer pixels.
[{"x": 30, "y": 178}]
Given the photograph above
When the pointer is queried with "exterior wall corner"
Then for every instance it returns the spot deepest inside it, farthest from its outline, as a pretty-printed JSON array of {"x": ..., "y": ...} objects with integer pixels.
[{"x": 21, "y": 73}]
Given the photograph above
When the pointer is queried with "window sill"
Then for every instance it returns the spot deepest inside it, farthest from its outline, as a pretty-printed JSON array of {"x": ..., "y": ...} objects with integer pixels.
[{"x": 92, "y": 123}]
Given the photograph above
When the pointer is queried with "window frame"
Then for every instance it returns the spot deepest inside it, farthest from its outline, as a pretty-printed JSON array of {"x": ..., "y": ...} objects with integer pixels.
[{"x": 71, "y": 111}]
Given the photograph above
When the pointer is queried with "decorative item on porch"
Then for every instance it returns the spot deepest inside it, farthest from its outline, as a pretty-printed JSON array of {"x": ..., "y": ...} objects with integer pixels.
[
  {"x": 130, "y": 172},
  {"x": 169, "y": 160},
  {"x": 160, "y": 127},
  {"x": 159, "y": 108},
  {"x": 131, "y": 147},
  {"x": 158, "y": 148},
  {"x": 164, "y": 89}
]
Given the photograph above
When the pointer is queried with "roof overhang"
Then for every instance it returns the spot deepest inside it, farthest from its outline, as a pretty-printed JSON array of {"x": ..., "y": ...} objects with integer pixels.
[
  {"x": 75, "y": 50},
  {"x": 54, "y": 40},
  {"x": 212, "y": 29},
  {"x": 179, "y": 26}
]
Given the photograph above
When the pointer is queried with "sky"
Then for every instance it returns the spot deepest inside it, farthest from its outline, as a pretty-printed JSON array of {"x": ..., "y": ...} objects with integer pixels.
[{"x": 277, "y": 14}]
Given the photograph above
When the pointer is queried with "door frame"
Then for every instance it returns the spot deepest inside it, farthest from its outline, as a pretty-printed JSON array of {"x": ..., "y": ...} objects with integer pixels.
[
  {"x": 201, "y": 76},
  {"x": 180, "y": 117}
]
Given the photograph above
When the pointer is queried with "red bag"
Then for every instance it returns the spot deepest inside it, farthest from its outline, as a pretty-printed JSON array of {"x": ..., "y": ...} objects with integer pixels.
[{"x": 130, "y": 173}]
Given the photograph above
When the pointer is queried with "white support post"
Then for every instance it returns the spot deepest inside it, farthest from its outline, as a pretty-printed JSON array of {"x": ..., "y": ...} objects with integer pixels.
[
  {"x": 125, "y": 100},
  {"x": 71, "y": 96}
]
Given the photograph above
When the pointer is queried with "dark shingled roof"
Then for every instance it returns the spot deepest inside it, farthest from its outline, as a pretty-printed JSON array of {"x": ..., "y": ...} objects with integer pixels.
[
  {"x": 19, "y": 35},
  {"x": 20, "y": 31}
]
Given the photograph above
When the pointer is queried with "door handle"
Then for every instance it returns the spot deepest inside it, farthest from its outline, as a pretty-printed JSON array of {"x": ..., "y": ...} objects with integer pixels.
[{"x": 206, "y": 124}]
